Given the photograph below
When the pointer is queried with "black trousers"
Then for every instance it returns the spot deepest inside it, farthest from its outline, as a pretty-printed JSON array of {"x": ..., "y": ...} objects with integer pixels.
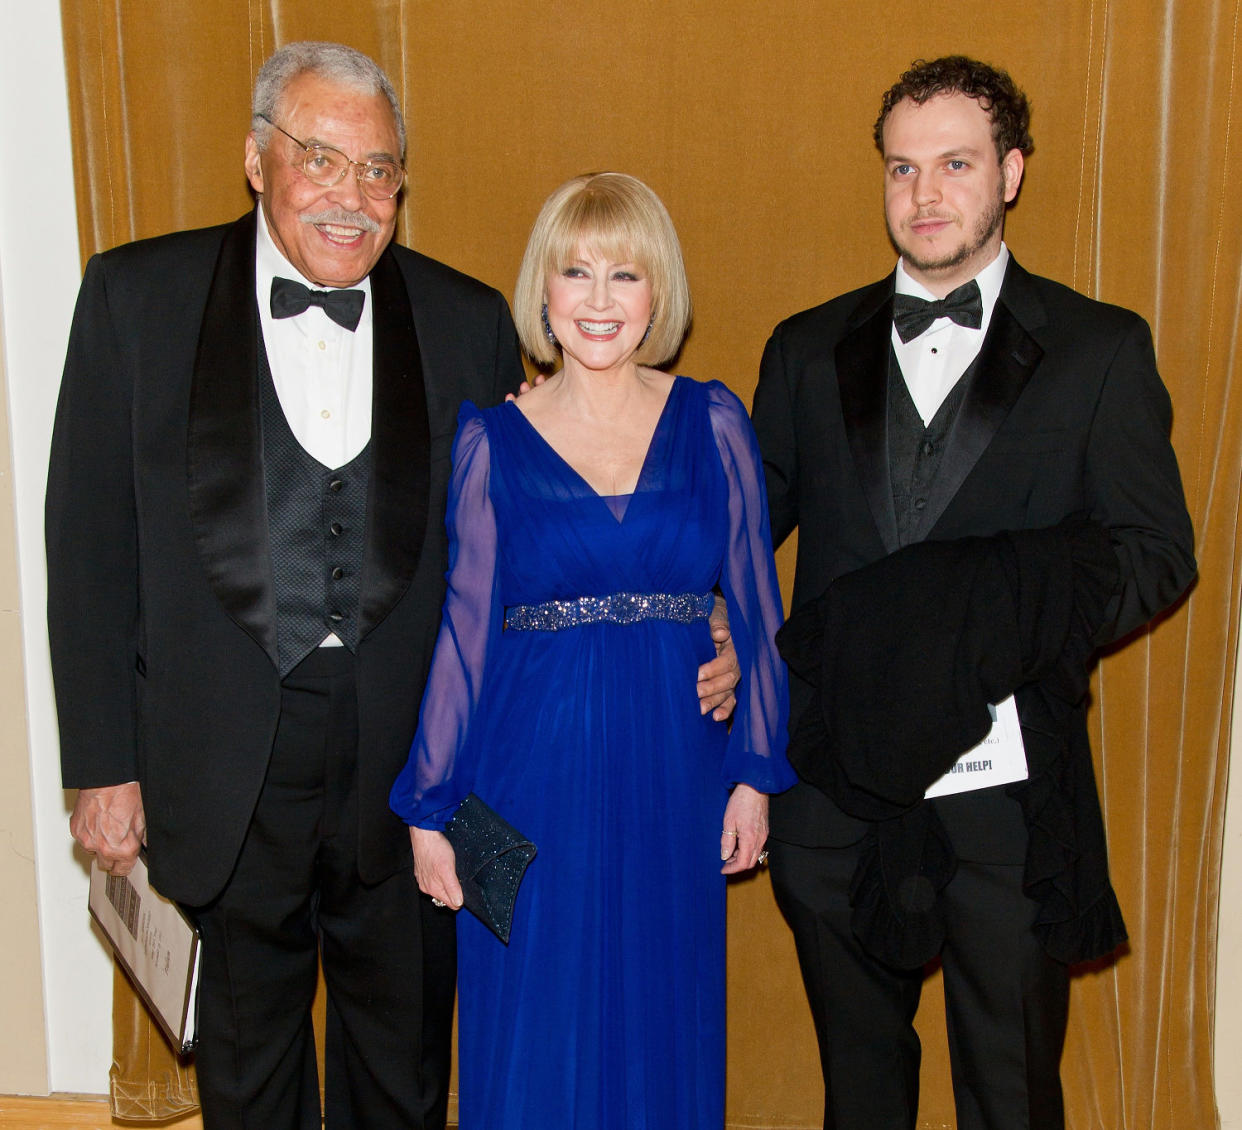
[
  {"x": 1005, "y": 1000},
  {"x": 389, "y": 956}
]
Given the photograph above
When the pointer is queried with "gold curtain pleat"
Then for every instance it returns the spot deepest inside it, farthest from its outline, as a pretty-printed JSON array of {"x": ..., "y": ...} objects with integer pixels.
[
  {"x": 753, "y": 122},
  {"x": 1161, "y": 234}
]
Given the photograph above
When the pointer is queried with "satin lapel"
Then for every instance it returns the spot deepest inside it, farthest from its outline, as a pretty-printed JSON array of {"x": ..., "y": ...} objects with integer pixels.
[
  {"x": 224, "y": 463},
  {"x": 1006, "y": 361},
  {"x": 400, "y": 449},
  {"x": 862, "y": 359}
]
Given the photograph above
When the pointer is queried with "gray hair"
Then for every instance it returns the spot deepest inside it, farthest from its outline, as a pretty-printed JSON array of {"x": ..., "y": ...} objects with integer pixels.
[{"x": 333, "y": 62}]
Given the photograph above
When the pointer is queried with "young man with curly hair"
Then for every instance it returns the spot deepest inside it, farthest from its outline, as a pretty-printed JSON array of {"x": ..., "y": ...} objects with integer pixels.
[{"x": 978, "y": 462}]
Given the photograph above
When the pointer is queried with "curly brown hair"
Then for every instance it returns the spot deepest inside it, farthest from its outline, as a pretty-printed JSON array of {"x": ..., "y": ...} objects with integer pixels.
[{"x": 991, "y": 87}]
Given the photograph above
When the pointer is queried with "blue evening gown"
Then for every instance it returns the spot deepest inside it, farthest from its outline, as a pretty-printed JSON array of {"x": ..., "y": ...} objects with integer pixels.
[{"x": 606, "y": 1011}]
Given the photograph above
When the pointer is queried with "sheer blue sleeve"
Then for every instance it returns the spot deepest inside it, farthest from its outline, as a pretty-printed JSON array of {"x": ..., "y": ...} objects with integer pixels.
[
  {"x": 756, "y": 751},
  {"x": 437, "y": 776}
]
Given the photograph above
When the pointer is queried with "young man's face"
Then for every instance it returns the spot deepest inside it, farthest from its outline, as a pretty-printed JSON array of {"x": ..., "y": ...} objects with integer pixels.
[{"x": 944, "y": 189}]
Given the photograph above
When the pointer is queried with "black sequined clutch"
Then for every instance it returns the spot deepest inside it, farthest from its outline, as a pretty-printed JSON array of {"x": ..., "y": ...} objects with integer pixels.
[{"x": 492, "y": 857}]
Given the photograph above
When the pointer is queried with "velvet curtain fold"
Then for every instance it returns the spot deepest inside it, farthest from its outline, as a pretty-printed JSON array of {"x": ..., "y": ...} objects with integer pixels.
[
  {"x": 753, "y": 122},
  {"x": 1160, "y": 233}
]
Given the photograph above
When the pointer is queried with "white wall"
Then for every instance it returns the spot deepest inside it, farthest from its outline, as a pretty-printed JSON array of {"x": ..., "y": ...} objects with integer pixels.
[{"x": 39, "y": 275}]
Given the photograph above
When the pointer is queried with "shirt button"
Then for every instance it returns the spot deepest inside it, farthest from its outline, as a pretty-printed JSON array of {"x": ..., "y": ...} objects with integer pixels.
[
  {"x": 326, "y": 414},
  {"x": 323, "y": 345},
  {"x": 336, "y": 528},
  {"x": 336, "y": 617},
  {"x": 336, "y": 484},
  {"x": 338, "y": 573},
  {"x": 928, "y": 447},
  {"x": 920, "y": 503}
]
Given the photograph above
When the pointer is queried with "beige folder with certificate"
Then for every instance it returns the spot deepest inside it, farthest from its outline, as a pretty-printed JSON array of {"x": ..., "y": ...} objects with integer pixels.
[{"x": 156, "y": 944}]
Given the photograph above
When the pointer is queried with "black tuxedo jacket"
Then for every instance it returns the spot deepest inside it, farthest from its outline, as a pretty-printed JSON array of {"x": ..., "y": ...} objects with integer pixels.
[
  {"x": 1065, "y": 413},
  {"x": 160, "y": 601}
]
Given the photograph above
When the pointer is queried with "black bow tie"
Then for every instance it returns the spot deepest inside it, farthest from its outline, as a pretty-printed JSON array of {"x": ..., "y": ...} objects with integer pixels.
[
  {"x": 290, "y": 298},
  {"x": 912, "y": 315}
]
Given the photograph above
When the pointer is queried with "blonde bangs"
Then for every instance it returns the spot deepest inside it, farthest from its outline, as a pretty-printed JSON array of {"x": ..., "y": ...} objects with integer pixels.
[{"x": 597, "y": 223}]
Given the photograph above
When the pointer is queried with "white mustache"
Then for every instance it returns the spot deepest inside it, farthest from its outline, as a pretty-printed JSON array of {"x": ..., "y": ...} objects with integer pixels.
[{"x": 342, "y": 218}]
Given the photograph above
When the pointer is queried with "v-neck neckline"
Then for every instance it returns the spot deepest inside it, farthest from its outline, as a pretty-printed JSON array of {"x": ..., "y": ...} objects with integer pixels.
[{"x": 606, "y": 499}]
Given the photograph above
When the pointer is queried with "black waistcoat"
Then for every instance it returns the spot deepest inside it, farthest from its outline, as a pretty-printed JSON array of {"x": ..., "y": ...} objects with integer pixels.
[
  {"x": 985, "y": 825},
  {"x": 915, "y": 452},
  {"x": 316, "y": 524}
]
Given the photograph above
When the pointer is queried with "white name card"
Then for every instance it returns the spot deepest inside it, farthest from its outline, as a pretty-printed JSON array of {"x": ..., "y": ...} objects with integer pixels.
[{"x": 997, "y": 760}]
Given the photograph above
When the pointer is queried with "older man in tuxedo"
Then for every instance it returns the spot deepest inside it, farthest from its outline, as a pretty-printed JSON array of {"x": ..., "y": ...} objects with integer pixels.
[
  {"x": 953, "y": 409},
  {"x": 245, "y": 568}
]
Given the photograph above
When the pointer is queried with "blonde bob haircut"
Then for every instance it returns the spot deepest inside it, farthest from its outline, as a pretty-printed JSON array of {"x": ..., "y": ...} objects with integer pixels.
[{"x": 618, "y": 217}]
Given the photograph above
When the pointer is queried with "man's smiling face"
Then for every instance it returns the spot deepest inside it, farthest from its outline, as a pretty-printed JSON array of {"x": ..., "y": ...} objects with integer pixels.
[{"x": 333, "y": 235}]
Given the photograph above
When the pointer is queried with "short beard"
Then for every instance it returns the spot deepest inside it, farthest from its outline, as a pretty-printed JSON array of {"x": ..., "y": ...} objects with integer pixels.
[{"x": 990, "y": 222}]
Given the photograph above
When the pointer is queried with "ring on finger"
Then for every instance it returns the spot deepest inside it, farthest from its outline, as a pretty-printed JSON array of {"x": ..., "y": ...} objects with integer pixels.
[
  {"x": 436, "y": 902},
  {"x": 763, "y": 858}
]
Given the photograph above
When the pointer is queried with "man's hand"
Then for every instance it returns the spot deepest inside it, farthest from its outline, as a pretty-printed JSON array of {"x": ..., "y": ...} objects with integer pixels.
[
  {"x": 718, "y": 678},
  {"x": 525, "y": 387},
  {"x": 109, "y": 822}
]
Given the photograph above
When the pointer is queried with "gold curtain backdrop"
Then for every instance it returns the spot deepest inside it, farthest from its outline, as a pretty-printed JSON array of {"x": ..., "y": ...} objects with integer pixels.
[{"x": 753, "y": 122}]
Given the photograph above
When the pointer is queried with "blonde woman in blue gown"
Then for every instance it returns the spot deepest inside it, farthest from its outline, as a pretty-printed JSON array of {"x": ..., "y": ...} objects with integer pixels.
[{"x": 590, "y": 522}]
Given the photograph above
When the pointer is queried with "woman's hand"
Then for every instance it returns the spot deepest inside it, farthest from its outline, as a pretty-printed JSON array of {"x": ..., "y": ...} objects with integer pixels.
[
  {"x": 745, "y": 829},
  {"x": 435, "y": 866}
]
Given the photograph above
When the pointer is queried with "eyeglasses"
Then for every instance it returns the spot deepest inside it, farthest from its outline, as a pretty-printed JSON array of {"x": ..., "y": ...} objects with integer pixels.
[{"x": 325, "y": 166}]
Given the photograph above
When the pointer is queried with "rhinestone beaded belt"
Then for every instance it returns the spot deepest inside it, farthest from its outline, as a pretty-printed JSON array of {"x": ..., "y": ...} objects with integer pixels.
[{"x": 616, "y": 608}]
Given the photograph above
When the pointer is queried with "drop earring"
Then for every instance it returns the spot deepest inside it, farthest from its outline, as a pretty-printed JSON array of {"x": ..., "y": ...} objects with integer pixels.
[{"x": 547, "y": 326}]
